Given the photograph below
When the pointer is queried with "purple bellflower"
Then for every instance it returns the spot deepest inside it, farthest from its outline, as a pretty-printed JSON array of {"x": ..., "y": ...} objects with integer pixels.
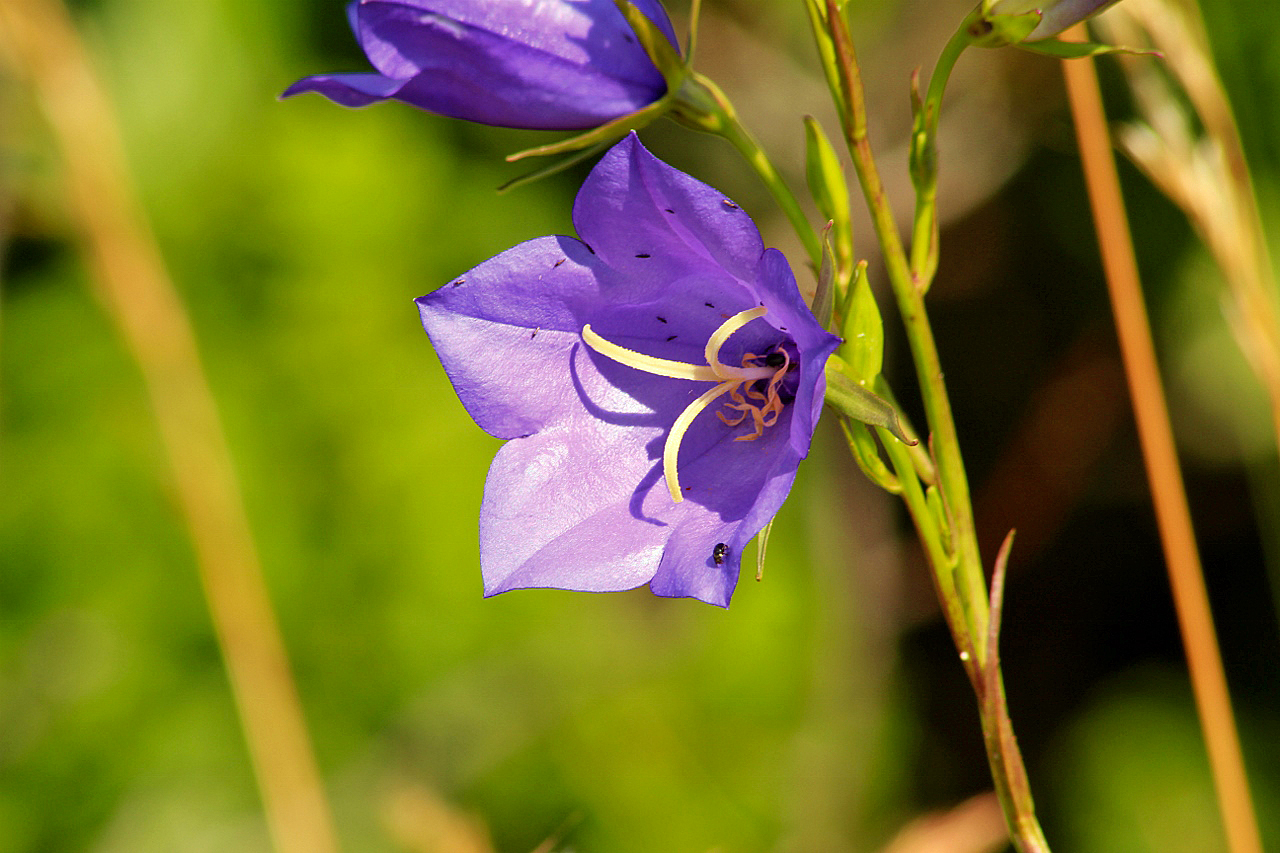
[
  {"x": 545, "y": 64},
  {"x": 658, "y": 381}
]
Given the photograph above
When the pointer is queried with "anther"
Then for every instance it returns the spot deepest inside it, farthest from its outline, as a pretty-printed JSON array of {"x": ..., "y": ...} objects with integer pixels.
[{"x": 729, "y": 380}]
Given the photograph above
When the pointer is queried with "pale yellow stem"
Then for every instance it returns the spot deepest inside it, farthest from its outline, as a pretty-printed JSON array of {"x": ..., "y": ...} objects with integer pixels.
[
  {"x": 648, "y": 363},
  {"x": 722, "y": 334},
  {"x": 1204, "y": 661},
  {"x": 141, "y": 299},
  {"x": 712, "y": 371},
  {"x": 671, "y": 449}
]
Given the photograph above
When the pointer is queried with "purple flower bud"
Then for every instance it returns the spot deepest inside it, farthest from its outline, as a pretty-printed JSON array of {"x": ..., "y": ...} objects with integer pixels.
[
  {"x": 658, "y": 382},
  {"x": 549, "y": 64},
  {"x": 1055, "y": 15}
]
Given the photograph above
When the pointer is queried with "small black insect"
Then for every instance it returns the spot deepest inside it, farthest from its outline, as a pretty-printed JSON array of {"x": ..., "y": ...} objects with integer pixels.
[
  {"x": 708, "y": 304},
  {"x": 775, "y": 359},
  {"x": 535, "y": 333},
  {"x": 668, "y": 210},
  {"x": 729, "y": 204},
  {"x": 671, "y": 337},
  {"x": 662, "y": 319},
  {"x": 719, "y": 552},
  {"x": 644, "y": 255},
  {"x": 559, "y": 262},
  {"x": 458, "y": 283}
]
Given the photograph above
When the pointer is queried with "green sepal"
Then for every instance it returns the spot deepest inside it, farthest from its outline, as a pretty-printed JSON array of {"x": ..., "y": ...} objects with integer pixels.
[
  {"x": 830, "y": 194},
  {"x": 1080, "y": 49},
  {"x": 862, "y": 446},
  {"x": 702, "y": 105},
  {"x": 824, "y": 298},
  {"x": 665, "y": 57},
  {"x": 691, "y": 45},
  {"x": 1002, "y": 30},
  {"x": 762, "y": 545},
  {"x": 863, "y": 331},
  {"x": 855, "y": 401},
  {"x": 599, "y": 136},
  {"x": 555, "y": 167}
]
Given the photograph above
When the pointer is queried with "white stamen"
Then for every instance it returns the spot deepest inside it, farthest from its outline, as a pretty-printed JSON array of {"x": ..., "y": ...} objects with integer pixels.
[
  {"x": 647, "y": 363},
  {"x": 730, "y": 379},
  {"x": 671, "y": 449},
  {"x": 722, "y": 334},
  {"x": 713, "y": 371}
]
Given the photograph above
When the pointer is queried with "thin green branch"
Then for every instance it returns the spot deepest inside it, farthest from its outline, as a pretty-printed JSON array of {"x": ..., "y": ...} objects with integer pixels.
[
  {"x": 943, "y": 516},
  {"x": 909, "y": 293}
]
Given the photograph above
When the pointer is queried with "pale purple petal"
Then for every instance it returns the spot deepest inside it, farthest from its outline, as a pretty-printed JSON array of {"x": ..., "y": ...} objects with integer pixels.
[{"x": 577, "y": 498}]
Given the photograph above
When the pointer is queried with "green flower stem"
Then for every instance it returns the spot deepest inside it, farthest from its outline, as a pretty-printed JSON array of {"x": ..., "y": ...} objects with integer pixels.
[
  {"x": 921, "y": 459},
  {"x": 943, "y": 518},
  {"x": 701, "y": 104},
  {"x": 914, "y": 496},
  {"x": 909, "y": 293}
]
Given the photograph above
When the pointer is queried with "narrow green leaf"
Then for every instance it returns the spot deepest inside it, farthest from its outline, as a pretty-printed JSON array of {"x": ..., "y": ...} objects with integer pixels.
[
  {"x": 1079, "y": 49},
  {"x": 762, "y": 545},
  {"x": 553, "y": 168},
  {"x": 862, "y": 445},
  {"x": 854, "y": 401}
]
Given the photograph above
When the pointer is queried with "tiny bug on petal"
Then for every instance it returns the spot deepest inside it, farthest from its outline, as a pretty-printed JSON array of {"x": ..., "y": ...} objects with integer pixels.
[{"x": 719, "y": 552}]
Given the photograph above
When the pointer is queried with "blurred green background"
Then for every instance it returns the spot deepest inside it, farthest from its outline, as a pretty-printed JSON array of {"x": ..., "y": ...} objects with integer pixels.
[{"x": 822, "y": 712}]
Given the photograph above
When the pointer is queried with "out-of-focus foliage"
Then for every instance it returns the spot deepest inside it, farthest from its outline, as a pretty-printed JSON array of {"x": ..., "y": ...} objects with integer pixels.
[{"x": 298, "y": 234}]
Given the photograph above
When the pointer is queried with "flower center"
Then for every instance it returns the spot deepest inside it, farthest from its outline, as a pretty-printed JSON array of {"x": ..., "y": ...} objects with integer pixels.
[{"x": 762, "y": 406}]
